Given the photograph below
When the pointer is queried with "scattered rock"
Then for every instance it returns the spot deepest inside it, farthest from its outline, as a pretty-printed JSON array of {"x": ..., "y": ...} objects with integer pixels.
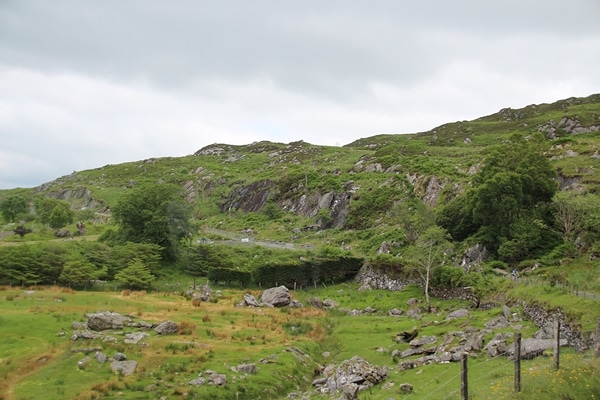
[
  {"x": 119, "y": 357},
  {"x": 135, "y": 337},
  {"x": 423, "y": 340},
  {"x": 458, "y": 314},
  {"x": 250, "y": 301},
  {"x": 405, "y": 387}
]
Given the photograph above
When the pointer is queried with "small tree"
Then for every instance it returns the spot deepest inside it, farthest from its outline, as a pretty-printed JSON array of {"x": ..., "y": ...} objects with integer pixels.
[
  {"x": 427, "y": 254},
  {"x": 22, "y": 231},
  {"x": 60, "y": 216},
  {"x": 136, "y": 275}
]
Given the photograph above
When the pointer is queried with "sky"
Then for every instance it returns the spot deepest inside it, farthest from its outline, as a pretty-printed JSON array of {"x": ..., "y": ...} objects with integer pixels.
[{"x": 85, "y": 83}]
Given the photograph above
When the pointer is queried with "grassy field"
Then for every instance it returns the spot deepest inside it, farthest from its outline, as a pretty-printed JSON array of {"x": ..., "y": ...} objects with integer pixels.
[{"x": 39, "y": 360}]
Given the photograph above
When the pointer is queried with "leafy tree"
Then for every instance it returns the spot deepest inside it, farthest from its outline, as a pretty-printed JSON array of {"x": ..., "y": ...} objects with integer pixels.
[
  {"x": 517, "y": 180},
  {"x": 427, "y": 254},
  {"x": 46, "y": 207},
  {"x": 60, "y": 216},
  {"x": 78, "y": 274},
  {"x": 457, "y": 217},
  {"x": 414, "y": 217},
  {"x": 576, "y": 214},
  {"x": 154, "y": 214},
  {"x": 136, "y": 275},
  {"x": 12, "y": 206}
]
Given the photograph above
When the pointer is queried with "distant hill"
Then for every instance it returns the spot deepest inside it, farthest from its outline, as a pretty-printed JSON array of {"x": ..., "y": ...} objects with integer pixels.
[{"x": 320, "y": 187}]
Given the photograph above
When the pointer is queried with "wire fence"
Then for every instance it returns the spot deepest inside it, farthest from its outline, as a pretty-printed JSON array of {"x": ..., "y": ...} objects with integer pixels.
[{"x": 491, "y": 377}]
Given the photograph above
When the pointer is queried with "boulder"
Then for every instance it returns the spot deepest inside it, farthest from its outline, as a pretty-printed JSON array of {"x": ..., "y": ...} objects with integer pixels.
[
  {"x": 166, "y": 328},
  {"x": 250, "y": 300},
  {"x": 246, "y": 368},
  {"x": 277, "y": 296},
  {"x": 104, "y": 320},
  {"x": 124, "y": 368}
]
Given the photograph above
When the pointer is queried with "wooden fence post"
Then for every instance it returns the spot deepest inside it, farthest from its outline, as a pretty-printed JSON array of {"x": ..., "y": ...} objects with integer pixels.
[
  {"x": 518, "y": 362},
  {"x": 598, "y": 339},
  {"x": 556, "y": 344},
  {"x": 464, "y": 384}
]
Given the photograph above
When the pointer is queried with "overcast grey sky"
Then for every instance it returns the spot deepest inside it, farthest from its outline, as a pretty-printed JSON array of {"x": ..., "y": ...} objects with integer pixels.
[{"x": 88, "y": 83}]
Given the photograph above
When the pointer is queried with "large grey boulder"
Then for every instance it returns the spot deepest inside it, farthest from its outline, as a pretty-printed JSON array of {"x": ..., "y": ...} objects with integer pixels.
[
  {"x": 104, "y": 320},
  {"x": 277, "y": 296},
  {"x": 124, "y": 368},
  {"x": 166, "y": 328}
]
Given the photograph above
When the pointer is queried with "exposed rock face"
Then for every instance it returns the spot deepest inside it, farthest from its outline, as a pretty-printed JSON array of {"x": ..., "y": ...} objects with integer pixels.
[
  {"x": 427, "y": 188},
  {"x": 474, "y": 256},
  {"x": 250, "y": 198},
  {"x": 277, "y": 297}
]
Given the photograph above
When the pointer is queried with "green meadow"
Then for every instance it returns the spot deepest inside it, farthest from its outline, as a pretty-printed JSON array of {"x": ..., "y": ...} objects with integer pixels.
[{"x": 39, "y": 359}]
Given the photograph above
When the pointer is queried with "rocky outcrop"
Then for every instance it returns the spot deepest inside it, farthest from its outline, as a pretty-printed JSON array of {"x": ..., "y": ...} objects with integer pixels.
[
  {"x": 104, "y": 320},
  {"x": 350, "y": 377}
]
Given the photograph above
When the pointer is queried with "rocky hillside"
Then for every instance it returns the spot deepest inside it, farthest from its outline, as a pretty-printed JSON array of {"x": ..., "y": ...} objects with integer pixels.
[{"x": 355, "y": 186}]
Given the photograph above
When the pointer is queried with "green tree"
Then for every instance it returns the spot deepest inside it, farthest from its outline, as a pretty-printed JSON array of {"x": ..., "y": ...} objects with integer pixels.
[
  {"x": 60, "y": 216},
  {"x": 414, "y": 217},
  {"x": 517, "y": 180},
  {"x": 427, "y": 254},
  {"x": 136, "y": 275},
  {"x": 12, "y": 206},
  {"x": 576, "y": 214},
  {"x": 79, "y": 274},
  {"x": 44, "y": 207},
  {"x": 154, "y": 214}
]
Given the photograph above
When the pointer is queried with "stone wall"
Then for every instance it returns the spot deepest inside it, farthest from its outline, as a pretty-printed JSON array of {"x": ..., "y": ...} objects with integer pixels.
[{"x": 543, "y": 319}]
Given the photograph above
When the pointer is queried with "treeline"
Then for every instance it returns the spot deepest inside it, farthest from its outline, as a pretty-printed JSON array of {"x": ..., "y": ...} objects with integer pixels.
[{"x": 73, "y": 263}]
